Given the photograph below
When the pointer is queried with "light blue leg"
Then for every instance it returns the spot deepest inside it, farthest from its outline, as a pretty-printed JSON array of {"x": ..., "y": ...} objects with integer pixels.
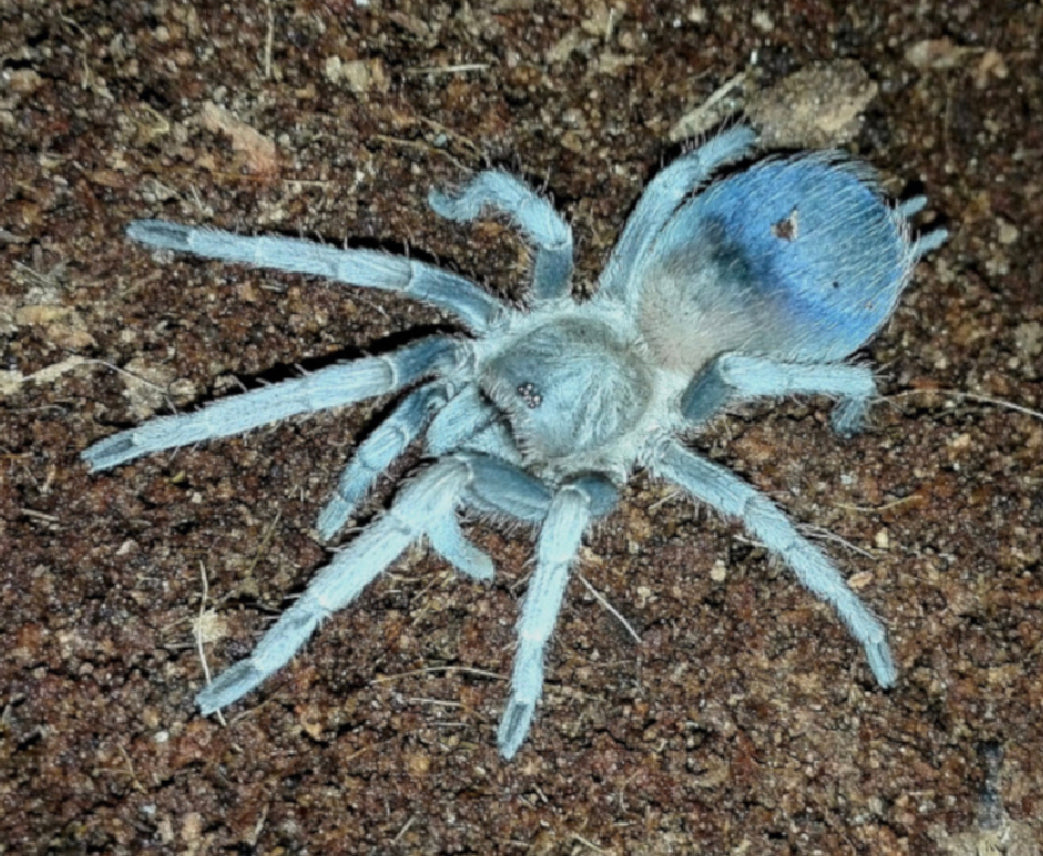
[
  {"x": 741, "y": 376},
  {"x": 421, "y": 505},
  {"x": 500, "y": 487},
  {"x": 911, "y": 206},
  {"x": 463, "y": 417},
  {"x": 469, "y": 423},
  {"x": 448, "y": 541},
  {"x": 760, "y": 376},
  {"x": 927, "y": 242},
  {"x": 531, "y": 213},
  {"x": 495, "y": 439},
  {"x": 559, "y": 543},
  {"x": 662, "y": 197},
  {"x": 930, "y": 241},
  {"x": 706, "y": 395},
  {"x": 364, "y": 268},
  {"x": 728, "y": 494},
  {"x": 497, "y": 487},
  {"x": 334, "y": 386},
  {"x": 375, "y": 454}
]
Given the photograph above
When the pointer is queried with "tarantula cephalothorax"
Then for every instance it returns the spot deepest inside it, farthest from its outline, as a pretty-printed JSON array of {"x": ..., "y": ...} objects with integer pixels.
[{"x": 758, "y": 284}]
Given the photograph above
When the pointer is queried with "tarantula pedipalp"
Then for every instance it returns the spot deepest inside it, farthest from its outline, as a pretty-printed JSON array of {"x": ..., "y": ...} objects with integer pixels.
[{"x": 759, "y": 284}]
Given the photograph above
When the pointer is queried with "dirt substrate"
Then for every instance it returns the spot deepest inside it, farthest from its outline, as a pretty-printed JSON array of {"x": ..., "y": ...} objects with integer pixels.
[{"x": 745, "y": 721}]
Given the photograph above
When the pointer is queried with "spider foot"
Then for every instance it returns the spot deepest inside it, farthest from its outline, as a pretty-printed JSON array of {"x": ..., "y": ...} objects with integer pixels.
[
  {"x": 111, "y": 451},
  {"x": 161, "y": 234},
  {"x": 514, "y": 726},
  {"x": 229, "y": 686},
  {"x": 878, "y": 653},
  {"x": 849, "y": 416},
  {"x": 449, "y": 542}
]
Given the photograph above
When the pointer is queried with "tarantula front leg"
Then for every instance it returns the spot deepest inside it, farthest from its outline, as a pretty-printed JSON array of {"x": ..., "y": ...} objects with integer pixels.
[
  {"x": 727, "y": 493},
  {"x": 336, "y": 385},
  {"x": 364, "y": 268},
  {"x": 741, "y": 376},
  {"x": 533, "y": 214},
  {"x": 421, "y": 506}
]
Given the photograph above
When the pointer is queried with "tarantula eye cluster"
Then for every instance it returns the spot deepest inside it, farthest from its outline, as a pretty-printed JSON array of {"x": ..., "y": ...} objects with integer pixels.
[
  {"x": 761, "y": 283},
  {"x": 530, "y": 394}
]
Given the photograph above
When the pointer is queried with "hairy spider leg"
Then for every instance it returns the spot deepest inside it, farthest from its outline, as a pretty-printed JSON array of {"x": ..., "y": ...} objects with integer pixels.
[
  {"x": 660, "y": 200},
  {"x": 727, "y": 493},
  {"x": 424, "y": 507},
  {"x": 559, "y": 542},
  {"x": 468, "y": 424},
  {"x": 336, "y": 385},
  {"x": 531, "y": 213},
  {"x": 448, "y": 541},
  {"x": 928, "y": 241},
  {"x": 910, "y": 207},
  {"x": 376, "y": 453},
  {"x": 465, "y": 415},
  {"x": 747, "y": 376},
  {"x": 364, "y": 268},
  {"x": 425, "y": 501},
  {"x": 496, "y": 487}
]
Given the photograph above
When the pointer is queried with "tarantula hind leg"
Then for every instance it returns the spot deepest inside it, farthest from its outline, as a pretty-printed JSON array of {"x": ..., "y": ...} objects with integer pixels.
[{"x": 726, "y": 492}]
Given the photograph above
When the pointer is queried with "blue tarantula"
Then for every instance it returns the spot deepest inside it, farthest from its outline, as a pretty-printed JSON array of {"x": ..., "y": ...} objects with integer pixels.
[{"x": 760, "y": 283}]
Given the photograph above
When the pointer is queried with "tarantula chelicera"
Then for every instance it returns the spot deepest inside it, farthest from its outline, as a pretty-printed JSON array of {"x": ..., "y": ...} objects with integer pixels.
[{"x": 760, "y": 283}]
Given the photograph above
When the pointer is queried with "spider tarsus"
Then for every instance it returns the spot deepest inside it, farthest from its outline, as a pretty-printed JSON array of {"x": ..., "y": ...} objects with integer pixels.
[
  {"x": 514, "y": 727},
  {"x": 160, "y": 234},
  {"x": 229, "y": 686},
  {"x": 109, "y": 452},
  {"x": 849, "y": 417},
  {"x": 929, "y": 241},
  {"x": 882, "y": 664}
]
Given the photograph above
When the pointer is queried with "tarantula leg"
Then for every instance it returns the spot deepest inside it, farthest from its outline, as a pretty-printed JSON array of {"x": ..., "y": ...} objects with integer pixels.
[
  {"x": 567, "y": 518},
  {"x": 449, "y": 542},
  {"x": 752, "y": 376},
  {"x": 727, "y": 493},
  {"x": 364, "y": 268},
  {"x": 661, "y": 198},
  {"x": 463, "y": 416},
  {"x": 909, "y": 207},
  {"x": 375, "y": 454},
  {"x": 705, "y": 396},
  {"x": 533, "y": 214},
  {"x": 737, "y": 376},
  {"x": 500, "y": 487},
  {"x": 928, "y": 241},
  {"x": 336, "y": 385},
  {"x": 428, "y": 499}
]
